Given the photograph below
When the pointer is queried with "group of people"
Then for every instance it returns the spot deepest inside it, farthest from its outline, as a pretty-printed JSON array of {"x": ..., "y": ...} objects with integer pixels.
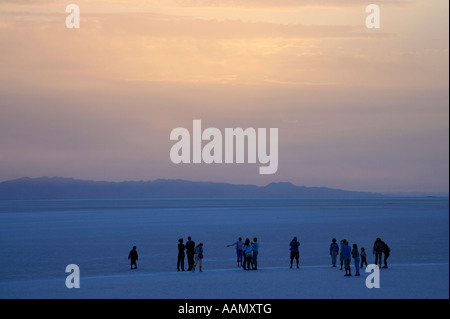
[
  {"x": 346, "y": 253},
  {"x": 193, "y": 252},
  {"x": 194, "y": 255},
  {"x": 247, "y": 253}
]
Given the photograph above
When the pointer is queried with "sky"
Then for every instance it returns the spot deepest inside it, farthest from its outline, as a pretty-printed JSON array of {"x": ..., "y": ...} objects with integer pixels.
[{"x": 356, "y": 108}]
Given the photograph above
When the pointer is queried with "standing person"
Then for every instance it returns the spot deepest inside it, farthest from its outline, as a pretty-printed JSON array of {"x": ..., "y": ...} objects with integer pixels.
[
  {"x": 334, "y": 251},
  {"x": 190, "y": 251},
  {"x": 180, "y": 260},
  {"x": 355, "y": 256},
  {"x": 198, "y": 257},
  {"x": 378, "y": 251},
  {"x": 133, "y": 257},
  {"x": 255, "y": 246},
  {"x": 347, "y": 255},
  {"x": 248, "y": 255},
  {"x": 363, "y": 257},
  {"x": 294, "y": 244},
  {"x": 239, "y": 250},
  {"x": 341, "y": 257},
  {"x": 387, "y": 252}
]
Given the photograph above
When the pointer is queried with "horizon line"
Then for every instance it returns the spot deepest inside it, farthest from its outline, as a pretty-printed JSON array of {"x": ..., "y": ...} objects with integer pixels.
[{"x": 388, "y": 193}]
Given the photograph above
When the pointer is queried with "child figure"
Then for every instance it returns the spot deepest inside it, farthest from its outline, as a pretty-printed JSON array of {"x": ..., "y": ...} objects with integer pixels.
[{"x": 363, "y": 257}]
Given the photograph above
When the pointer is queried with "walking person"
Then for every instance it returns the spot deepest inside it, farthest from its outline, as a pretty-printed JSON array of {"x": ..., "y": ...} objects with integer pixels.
[
  {"x": 239, "y": 250},
  {"x": 255, "y": 246},
  {"x": 133, "y": 257},
  {"x": 334, "y": 251},
  {"x": 190, "y": 251},
  {"x": 198, "y": 257},
  {"x": 180, "y": 260},
  {"x": 378, "y": 251},
  {"x": 295, "y": 253},
  {"x": 355, "y": 256},
  {"x": 347, "y": 255},
  {"x": 248, "y": 255},
  {"x": 387, "y": 252},
  {"x": 363, "y": 257}
]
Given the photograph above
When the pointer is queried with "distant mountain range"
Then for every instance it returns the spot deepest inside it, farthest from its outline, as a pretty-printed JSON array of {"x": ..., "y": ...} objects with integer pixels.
[{"x": 69, "y": 188}]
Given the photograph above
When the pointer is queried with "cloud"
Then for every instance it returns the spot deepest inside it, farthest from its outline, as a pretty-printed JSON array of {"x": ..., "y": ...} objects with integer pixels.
[
  {"x": 210, "y": 3},
  {"x": 231, "y": 29},
  {"x": 278, "y": 3},
  {"x": 28, "y": 3},
  {"x": 157, "y": 48}
]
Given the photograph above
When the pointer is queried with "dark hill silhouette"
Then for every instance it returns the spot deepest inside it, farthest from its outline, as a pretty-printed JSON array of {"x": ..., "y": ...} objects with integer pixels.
[{"x": 69, "y": 188}]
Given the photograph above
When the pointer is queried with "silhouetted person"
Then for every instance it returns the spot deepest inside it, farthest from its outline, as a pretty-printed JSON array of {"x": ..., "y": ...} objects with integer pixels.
[
  {"x": 239, "y": 250},
  {"x": 180, "y": 260},
  {"x": 248, "y": 255},
  {"x": 133, "y": 256},
  {"x": 255, "y": 246},
  {"x": 387, "y": 252},
  {"x": 190, "y": 251},
  {"x": 198, "y": 257},
  {"x": 347, "y": 255},
  {"x": 363, "y": 257},
  {"x": 356, "y": 258},
  {"x": 378, "y": 251},
  {"x": 294, "y": 244},
  {"x": 341, "y": 257},
  {"x": 334, "y": 251}
]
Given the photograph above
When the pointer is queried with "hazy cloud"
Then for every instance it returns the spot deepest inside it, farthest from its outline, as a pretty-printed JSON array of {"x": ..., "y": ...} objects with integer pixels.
[{"x": 280, "y": 3}]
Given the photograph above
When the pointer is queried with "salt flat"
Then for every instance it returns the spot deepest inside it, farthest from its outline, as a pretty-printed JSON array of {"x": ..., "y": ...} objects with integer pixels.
[{"x": 39, "y": 238}]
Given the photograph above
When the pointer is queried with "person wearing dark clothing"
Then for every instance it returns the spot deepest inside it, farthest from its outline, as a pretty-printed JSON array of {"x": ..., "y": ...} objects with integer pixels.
[
  {"x": 334, "y": 251},
  {"x": 133, "y": 256},
  {"x": 356, "y": 257},
  {"x": 378, "y": 251},
  {"x": 363, "y": 257},
  {"x": 190, "y": 251},
  {"x": 294, "y": 244},
  {"x": 239, "y": 250},
  {"x": 255, "y": 246},
  {"x": 341, "y": 257},
  {"x": 387, "y": 252},
  {"x": 248, "y": 255},
  {"x": 180, "y": 260}
]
